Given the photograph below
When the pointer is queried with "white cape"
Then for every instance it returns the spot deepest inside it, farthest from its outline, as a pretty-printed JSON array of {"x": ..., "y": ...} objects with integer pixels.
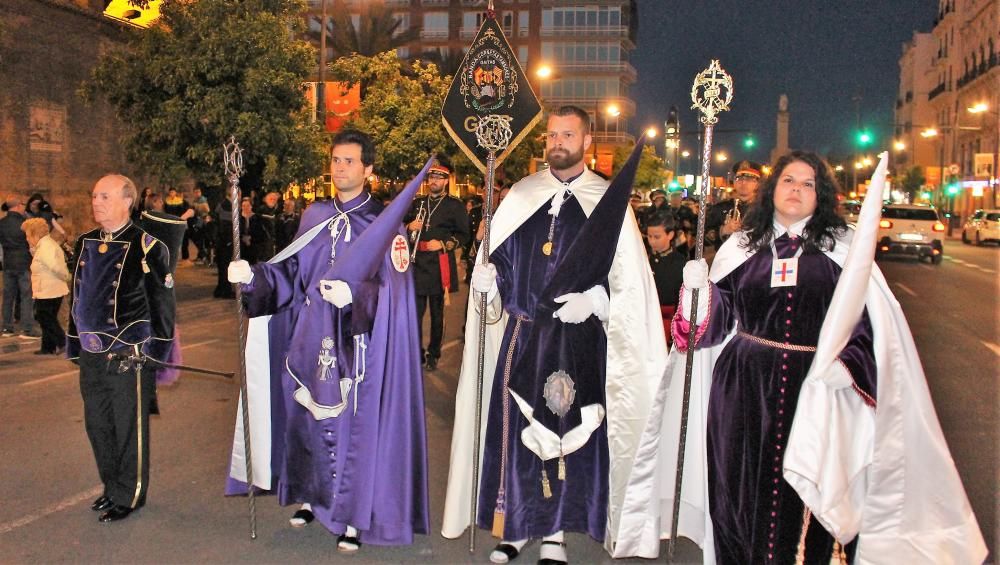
[
  {"x": 896, "y": 485},
  {"x": 636, "y": 353}
]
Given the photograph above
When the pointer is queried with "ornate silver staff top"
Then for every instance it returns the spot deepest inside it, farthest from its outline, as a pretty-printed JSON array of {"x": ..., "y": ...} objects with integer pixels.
[
  {"x": 493, "y": 132},
  {"x": 712, "y": 92},
  {"x": 233, "y": 158}
]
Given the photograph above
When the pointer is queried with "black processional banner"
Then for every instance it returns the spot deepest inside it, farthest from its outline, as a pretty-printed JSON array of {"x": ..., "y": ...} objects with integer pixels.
[{"x": 490, "y": 81}]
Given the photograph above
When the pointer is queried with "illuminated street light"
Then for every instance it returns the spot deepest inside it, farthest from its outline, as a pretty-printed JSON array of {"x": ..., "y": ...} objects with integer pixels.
[
  {"x": 651, "y": 132},
  {"x": 978, "y": 108},
  {"x": 721, "y": 157},
  {"x": 613, "y": 110},
  {"x": 899, "y": 145},
  {"x": 929, "y": 132},
  {"x": 685, "y": 153},
  {"x": 867, "y": 161},
  {"x": 543, "y": 72},
  {"x": 839, "y": 168},
  {"x": 858, "y": 165}
]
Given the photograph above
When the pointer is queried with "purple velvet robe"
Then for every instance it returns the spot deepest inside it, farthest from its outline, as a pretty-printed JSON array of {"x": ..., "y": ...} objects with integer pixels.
[
  {"x": 578, "y": 503},
  {"x": 366, "y": 467},
  {"x": 757, "y": 517}
]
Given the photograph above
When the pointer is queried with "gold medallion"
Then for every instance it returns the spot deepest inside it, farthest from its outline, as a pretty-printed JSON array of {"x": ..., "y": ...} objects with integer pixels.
[
  {"x": 102, "y": 248},
  {"x": 547, "y": 248}
]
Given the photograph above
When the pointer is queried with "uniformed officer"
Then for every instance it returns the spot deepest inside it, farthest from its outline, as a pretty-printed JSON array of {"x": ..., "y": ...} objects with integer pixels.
[
  {"x": 121, "y": 320},
  {"x": 438, "y": 224},
  {"x": 725, "y": 218}
]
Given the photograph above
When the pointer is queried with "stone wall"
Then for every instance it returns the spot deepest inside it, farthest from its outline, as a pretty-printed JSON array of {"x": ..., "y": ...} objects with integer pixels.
[{"x": 51, "y": 141}]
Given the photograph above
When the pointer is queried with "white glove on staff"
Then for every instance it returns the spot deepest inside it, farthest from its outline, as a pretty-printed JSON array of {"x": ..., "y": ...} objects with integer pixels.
[
  {"x": 695, "y": 276},
  {"x": 239, "y": 272},
  {"x": 484, "y": 278},
  {"x": 336, "y": 293},
  {"x": 578, "y": 306}
]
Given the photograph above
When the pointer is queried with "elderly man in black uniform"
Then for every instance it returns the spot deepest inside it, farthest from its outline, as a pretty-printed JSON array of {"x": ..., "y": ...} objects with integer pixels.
[
  {"x": 121, "y": 322},
  {"x": 438, "y": 224},
  {"x": 724, "y": 218}
]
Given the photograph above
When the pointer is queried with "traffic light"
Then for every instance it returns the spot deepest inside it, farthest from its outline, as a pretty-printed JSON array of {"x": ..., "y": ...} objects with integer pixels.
[
  {"x": 673, "y": 186},
  {"x": 749, "y": 142},
  {"x": 952, "y": 188},
  {"x": 864, "y": 137}
]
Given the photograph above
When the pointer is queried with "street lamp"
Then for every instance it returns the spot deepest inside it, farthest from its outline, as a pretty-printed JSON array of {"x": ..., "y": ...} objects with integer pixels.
[
  {"x": 685, "y": 153},
  {"x": 721, "y": 157},
  {"x": 651, "y": 132},
  {"x": 899, "y": 145}
]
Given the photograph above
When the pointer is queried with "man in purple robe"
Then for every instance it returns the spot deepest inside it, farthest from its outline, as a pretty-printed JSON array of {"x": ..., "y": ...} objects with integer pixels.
[{"x": 346, "y": 438}]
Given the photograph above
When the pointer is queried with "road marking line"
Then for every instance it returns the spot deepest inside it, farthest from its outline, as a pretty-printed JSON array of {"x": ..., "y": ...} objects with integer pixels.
[
  {"x": 905, "y": 289},
  {"x": 451, "y": 344},
  {"x": 57, "y": 507},
  {"x": 992, "y": 347},
  {"x": 77, "y": 371}
]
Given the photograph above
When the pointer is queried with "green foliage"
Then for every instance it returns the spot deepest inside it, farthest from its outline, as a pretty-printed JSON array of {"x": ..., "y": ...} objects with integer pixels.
[
  {"x": 650, "y": 173},
  {"x": 400, "y": 109},
  {"x": 912, "y": 181},
  {"x": 208, "y": 70},
  {"x": 378, "y": 30}
]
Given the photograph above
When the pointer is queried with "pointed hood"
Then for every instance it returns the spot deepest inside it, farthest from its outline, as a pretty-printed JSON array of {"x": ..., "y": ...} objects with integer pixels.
[
  {"x": 361, "y": 260},
  {"x": 588, "y": 261}
]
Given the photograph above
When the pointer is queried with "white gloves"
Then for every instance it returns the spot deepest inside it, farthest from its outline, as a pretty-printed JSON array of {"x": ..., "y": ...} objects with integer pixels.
[
  {"x": 484, "y": 277},
  {"x": 695, "y": 276},
  {"x": 578, "y": 306},
  {"x": 239, "y": 272},
  {"x": 336, "y": 292}
]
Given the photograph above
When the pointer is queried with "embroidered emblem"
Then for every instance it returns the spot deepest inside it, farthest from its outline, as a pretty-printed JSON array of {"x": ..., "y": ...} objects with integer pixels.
[
  {"x": 559, "y": 393},
  {"x": 92, "y": 343},
  {"x": 168, "y": 281},
  {"x": 327, "y": 360},
  {"x": 784, "y": 272},
  {"x": 399, "y": 252}
]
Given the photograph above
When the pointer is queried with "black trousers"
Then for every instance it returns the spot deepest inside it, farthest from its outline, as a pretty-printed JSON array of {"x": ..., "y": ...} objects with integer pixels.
[
  {"x": 437, "y": 323},
  {"x": 116, "y": 415},
  {"x": 47, "y": 316}
]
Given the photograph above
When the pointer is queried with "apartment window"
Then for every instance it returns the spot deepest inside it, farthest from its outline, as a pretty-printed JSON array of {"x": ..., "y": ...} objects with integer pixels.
[
  {"x": 522, "y": 55},
  {"x": 437, "y": 21},
  {"x": 523, "y": 21},
  {"x": 404, "y": 23}
]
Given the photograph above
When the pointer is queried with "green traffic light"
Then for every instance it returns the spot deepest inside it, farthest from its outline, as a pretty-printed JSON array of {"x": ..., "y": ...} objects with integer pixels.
[
  {"x": 749, "y": 142},
  {"x": 952, "y": 189},
  {"x": 864, "y": 138}
]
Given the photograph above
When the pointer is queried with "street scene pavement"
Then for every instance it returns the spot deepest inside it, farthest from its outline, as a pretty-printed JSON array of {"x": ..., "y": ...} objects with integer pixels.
[{"x": 50, "y": 479}]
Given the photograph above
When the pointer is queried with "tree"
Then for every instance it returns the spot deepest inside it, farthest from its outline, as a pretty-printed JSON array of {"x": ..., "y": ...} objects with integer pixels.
[
  {"x": 650, "y": 173},
  {"x": 208, "y": 70},
  {"x": 378, "y": 30},
  {"x": 400, "y": 110},
  {"x": 913, "y": 181}
]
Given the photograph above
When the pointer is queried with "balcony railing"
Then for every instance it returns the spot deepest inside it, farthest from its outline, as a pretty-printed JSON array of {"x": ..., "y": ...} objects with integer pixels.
[
  {"x": 585, "y": 31},
  {"x": 613, "y": 137},
  {"x": 598, "y": 67},
  {"x": 626, "y": 105},
  {"x": 936, "y": 91},
  {"x": 433, "y": 34}
]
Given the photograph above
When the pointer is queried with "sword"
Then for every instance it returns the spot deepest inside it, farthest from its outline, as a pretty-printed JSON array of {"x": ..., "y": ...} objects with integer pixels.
[
  {"x": 711, "y": 93},
  {"x": 233, "y": 157},
  {"x": 191, "y": 369}
]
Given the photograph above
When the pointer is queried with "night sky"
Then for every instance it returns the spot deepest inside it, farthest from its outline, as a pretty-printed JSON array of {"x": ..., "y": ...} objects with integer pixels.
[{"x": 820, "y": 53}]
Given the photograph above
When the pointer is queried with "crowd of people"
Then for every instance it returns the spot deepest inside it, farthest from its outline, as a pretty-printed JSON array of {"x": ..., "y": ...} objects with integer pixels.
[{"x": 586, "y": 303}]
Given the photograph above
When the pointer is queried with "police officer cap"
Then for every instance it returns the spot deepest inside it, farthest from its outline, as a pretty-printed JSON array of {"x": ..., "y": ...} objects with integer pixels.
[
  {"x": 658, "y": 192},
  {"x": 747, "y": 169}
]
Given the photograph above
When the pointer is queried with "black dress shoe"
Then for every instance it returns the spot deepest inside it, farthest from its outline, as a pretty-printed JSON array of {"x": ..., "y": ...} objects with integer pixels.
[
  {"x": 101, "y": 504},
  {"x": 115, "y": 514}
]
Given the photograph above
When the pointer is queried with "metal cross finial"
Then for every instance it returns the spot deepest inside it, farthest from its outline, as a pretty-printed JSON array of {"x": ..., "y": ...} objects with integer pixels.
[
  {"x": 233, "y": 155},
  {"x": 712, "y": 92}
]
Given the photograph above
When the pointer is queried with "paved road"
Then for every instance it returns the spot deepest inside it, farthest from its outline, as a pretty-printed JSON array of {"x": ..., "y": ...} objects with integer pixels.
[{"x": 49, "y": 475}]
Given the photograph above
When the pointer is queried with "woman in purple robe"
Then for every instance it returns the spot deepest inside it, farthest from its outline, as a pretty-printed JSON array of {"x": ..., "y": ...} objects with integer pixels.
[{"x": 770, "y": 306}]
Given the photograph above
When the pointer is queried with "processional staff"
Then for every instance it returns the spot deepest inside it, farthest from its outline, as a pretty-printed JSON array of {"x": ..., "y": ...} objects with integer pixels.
[
  {"x": 233, "y": 158},
  {"x": 711, "y": 94}
]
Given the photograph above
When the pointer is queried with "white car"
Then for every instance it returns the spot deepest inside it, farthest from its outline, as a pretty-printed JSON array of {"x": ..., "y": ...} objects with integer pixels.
[
  {"x": 910, "y": 229},
  {"x": 982, "y": 226}
]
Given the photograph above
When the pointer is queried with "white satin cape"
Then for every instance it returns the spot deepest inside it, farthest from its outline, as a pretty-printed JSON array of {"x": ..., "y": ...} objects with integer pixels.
[
  {"x": 883, "y": 474},
  {"x": 636, "y": 351}
]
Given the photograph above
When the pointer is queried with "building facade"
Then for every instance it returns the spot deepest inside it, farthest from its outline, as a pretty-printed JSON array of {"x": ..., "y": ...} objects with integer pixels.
[
  {"x": 584, "y": 45},
  {"x": 963, "y": 102},
  {"x": 51, "y": 141}
]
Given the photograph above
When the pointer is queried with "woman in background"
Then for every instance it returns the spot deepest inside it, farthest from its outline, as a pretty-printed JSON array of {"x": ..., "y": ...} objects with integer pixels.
[{"x": 49, "y": 276}]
